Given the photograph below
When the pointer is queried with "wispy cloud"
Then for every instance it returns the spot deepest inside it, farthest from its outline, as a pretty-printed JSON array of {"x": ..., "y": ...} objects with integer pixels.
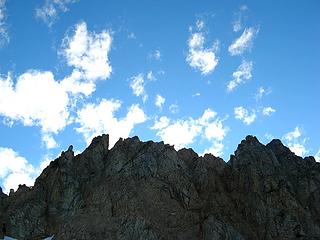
[
  {"x": 261, "y": 92},
  {"x": 157, "y": 55},
  {"x": 95, "y": 119},
  {"x": 244, "y": 115},
  {"x": 243, "y": 42},
  {"x": 174, "y": 108},
  {"x": 4, "y": 37},
  {"x": 49, "y": 12},
  {"x": 150, "y": 76},
  {"x": 238, "y": 22},
  {"x": 240, "y": 76},
  {"x": 199, "y": 57},
  {"x": 268, "y": 111}
]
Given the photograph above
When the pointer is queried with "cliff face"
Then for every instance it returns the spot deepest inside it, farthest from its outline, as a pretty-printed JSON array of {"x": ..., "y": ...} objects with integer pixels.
[{"x": 147, "y": 190}]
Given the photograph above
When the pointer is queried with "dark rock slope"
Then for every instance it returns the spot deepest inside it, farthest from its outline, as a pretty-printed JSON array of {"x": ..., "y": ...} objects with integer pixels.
[{"x": 147, "y": 190}]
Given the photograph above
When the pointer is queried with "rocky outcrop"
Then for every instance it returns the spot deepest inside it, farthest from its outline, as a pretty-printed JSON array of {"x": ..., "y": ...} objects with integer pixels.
[{"x": 147, "y": 190}]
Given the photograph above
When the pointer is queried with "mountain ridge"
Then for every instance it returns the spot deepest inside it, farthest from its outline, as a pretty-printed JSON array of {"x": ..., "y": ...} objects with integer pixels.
[{"x": 148, "y": 190}]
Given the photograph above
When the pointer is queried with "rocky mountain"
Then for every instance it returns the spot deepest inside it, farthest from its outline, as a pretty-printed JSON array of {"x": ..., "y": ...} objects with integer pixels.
[{"x": 147, "y": 190}]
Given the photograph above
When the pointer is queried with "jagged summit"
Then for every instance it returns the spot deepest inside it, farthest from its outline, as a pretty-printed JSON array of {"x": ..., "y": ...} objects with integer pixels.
[{"x": 148, "y": 190}]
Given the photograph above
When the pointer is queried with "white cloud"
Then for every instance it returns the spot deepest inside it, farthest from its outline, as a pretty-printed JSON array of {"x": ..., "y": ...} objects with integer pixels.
[
  {"x": 181, "y": 133},
  {"x": 4, "y": 37},
  {"x": 268, "y": 136},
  {"x": 88, "y": 54},
  {"x": 49, "y": 12},
  {"x": 294, "y": 141},
  {"x": 157, "y": 55},
  {"x": 132, "y": 36},
  {"x": 298, "y": 148},
  {"x": 240, "y": 76},
  {"x": 163, "y": 122},
  {"x": 159, "y": 101},
  {"x": 267, "y": 111},
  {"x": 174, "y": 108},
  {"x": 317, "y": 156},
  {"x": 290, "y": 136},
  {"x": 216, "y": 149},
  {"x": 16, "y": 170},
  {"x": 215, "y": 130},
  {"x": 261, "y": 92},
  {"x": 243, "y": 114},
  {"x": 96, "y": 119},
  {"x": 150, "y": 76},
  {"x": 75, "y": 84},
  {"x": 200, "y": 24},
  {"x": 36, "y": 100},
  {"x": 199, "y": 57},
  {"x": 243, "y": 42},
  {"x": 197, "y": 94},
  {"x": 49, "y": 141},
  {"x": 137, "y": 85},
  {"x": 237, "y": 24}
]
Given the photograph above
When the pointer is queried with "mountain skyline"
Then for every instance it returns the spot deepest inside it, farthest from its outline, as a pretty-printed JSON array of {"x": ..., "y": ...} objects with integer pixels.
[{"x": 200, "y": 75}]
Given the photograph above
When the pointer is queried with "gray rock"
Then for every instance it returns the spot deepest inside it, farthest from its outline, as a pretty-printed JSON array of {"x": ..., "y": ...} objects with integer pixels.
[{"x": 147, "y": 190}]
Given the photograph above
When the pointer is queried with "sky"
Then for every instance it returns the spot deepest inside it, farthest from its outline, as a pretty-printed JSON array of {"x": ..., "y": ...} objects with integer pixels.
[{"x": 202, "y": 75}]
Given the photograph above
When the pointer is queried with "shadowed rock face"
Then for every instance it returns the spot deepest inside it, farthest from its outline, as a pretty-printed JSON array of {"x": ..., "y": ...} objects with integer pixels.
[{"x": 147, "y": 190}]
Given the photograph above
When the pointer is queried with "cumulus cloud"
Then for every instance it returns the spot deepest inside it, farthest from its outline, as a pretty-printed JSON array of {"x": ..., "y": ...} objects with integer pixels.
[
  {"x": 242, "y": 75},
  {"x": 295, "y": 141},
  {"x": 137, "y": 85},
  {"x": 88, "y": 54},
  {"x": 159, "y": 101},
  {"x": 96, "y": 119},
  {"x": 4, "y": 37},
  {"x": 268, "y": 111},
  {"x": 49, "y": 12},
  {"x": 35, "y": 98},
  {"x": 243, "y": 42},
  {"x": 16, "y": 170},
  {"x": 182, "y": 133},
  {"x": 244, "y": 115},
  {"x": 201, "y": 58}
]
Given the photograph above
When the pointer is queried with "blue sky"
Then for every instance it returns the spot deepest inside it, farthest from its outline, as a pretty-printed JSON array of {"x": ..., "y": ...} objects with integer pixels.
[{"x": 203, "y": 74}]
